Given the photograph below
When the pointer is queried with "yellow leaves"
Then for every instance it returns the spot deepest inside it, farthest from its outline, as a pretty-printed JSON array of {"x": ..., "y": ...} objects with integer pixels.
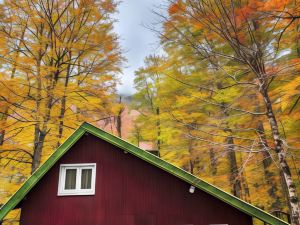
[
  {"x": 4, "y": 50},
  {"x": 63, "y": 73},
  {"x": 86, "y": 3},
  {"x": 2, "y": 40},
  {"x": 287, "y": 94},
  {"x": 37, "y": 20}
]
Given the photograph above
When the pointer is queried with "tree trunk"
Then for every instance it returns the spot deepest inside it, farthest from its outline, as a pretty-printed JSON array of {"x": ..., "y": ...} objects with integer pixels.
[
  {"x": 40, "y": 136},
  {"x": 278, "y": 145},
  {"x": 37, "y": 155},
  {"x": 158, "y": 142},
  {"x": 61, "y": 119},
  {"x": 63, "y": 107},
  {"x": 264, "y": 145},
  {"x": 119, "y": 124},
  {"x": 41, "y": 126},
  {"x": 119, "y": 119},
  {"x": 38, "y": 148},
  {"x": 191, "y": 161},
  {"x": 269, "y": 175},
  {"x": 213, "y": 161},
  {"x": 245, "y": 187},
  {"x": 41, "y": 131},
  {"x": 234, "y": 179},
  {"x": 2, "y": 134}
]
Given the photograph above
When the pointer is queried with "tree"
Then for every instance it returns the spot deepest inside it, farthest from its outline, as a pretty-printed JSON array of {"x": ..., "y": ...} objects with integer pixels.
[
  {"x": 242, "y": 41},
  {"x": 147, "y": 98},
  {"x": 59, "y": 66}
]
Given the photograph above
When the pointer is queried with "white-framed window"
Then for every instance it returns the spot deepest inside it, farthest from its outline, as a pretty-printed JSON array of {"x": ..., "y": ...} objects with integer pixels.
[{"x": 77, "y": 179}]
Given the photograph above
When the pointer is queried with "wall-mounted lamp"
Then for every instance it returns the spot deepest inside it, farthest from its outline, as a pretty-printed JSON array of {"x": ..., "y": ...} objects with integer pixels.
[{"x": 192, "y": 189}]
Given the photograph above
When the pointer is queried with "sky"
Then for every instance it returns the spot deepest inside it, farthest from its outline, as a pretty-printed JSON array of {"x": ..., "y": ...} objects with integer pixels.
[{"x": 136, "y": 40}]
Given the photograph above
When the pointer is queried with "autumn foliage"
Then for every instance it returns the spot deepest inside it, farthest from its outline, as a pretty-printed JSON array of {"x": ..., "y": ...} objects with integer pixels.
[
  {"x": 227, "y": 90},
  {"x": 59, "y": 62}
]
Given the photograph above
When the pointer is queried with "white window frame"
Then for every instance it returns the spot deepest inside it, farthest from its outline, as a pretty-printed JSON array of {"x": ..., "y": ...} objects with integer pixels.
[{"x": 77, "y": 191}]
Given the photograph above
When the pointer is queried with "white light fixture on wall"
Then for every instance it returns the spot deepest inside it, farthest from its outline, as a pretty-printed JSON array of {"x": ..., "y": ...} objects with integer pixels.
[{"x": 192, "y": 189}]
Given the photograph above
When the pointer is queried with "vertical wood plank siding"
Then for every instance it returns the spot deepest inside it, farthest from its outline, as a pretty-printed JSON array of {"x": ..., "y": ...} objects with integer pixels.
[{"x": 129, "y": 191}]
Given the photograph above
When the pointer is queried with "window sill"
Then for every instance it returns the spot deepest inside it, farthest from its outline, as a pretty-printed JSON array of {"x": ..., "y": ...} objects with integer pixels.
[{"x": 76, "y": 193}]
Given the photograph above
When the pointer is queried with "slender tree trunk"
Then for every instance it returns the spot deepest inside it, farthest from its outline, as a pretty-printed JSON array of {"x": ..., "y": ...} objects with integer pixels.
[
  {"x": 158, "y": 128},
  {"x": 63, "y": 106},
  {"x": 40, "y": 135},
  {"x": 119, "y": 119},
  {"x": 278, "y": 145},
  {"x": 36, "y": 155},
  {"x": 191, "y": 161},
  {"x": 41, "y": 127},
  {"x": 38, "y": 147},
  {"x": 138, "y": 137},
  {"x": 245, "y": 187},
  {"x": 213, "y": 161},
  {"x": 269, "y": 176},
  {"x": 234, "y": 179},
  {"x": 245, "y": 191},
  {"x": 119, "y": 124},
  {"x": 285, "y": 190},
  {"x": 2, "y": 132},
  {"x": 41, "y": 130},
  {"x": 61, "y": 119},
  {"x": 264, "y": 145}
]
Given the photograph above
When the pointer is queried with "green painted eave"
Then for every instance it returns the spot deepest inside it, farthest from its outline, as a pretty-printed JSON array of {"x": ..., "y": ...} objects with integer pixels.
[{"x": 144, "y": 155}]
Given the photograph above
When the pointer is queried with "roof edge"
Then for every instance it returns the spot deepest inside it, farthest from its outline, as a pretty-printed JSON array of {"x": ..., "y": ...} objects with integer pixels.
[{"x": 144, "y": 155}]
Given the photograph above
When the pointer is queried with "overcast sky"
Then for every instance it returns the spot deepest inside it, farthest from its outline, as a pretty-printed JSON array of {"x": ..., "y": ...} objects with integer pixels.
[{"x": 136, "y": 40}]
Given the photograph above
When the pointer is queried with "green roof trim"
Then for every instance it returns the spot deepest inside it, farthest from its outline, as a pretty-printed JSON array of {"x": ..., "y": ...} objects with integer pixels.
[{"x": 144, "y": 155}]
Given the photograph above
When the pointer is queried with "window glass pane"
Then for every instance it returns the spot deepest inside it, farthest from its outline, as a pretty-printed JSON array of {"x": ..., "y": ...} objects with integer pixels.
[
  {"x": 86, "y": 178},
  {"x": 70, "y": 182}
]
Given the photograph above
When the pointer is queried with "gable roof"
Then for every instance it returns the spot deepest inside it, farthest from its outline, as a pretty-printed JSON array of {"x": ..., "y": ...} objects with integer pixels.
[{"x": 144, "y": 155}]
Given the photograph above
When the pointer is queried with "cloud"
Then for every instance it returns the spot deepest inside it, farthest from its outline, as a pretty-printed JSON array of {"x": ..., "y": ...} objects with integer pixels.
[{"x": 136, "y": 40}]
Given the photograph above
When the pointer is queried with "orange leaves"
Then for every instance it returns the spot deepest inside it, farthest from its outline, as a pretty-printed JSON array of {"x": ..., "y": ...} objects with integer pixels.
[
  {"x": 197, "y": 25},
  {"x": 275, "y": 5},
  {"x": 176, "y": 7},
  {"x": 244, "y": 14},
  {"x": 263, "y": 6}
]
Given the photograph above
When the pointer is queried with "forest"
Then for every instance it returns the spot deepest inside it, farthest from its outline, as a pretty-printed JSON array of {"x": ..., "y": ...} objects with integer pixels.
[{"x": 221, "y": 99}]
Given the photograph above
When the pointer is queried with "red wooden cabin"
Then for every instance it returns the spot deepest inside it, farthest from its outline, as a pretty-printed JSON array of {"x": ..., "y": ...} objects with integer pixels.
[{"x": 95, "y": 178}]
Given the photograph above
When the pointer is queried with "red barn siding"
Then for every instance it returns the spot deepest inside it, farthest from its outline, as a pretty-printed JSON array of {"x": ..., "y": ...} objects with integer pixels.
[{"x": 129, "y": 191}]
